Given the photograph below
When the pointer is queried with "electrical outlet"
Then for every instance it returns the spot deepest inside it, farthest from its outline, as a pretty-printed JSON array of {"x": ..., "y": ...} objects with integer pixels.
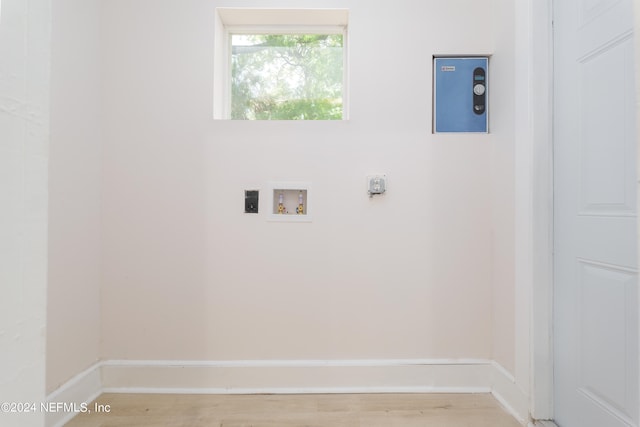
[
  {"x": 251, "y": 201},
  {"x": 376, "y": 184}
]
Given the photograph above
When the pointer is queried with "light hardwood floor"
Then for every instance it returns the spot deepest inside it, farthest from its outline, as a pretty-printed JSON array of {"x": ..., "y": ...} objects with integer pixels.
[{"x": 336, "y": 410}]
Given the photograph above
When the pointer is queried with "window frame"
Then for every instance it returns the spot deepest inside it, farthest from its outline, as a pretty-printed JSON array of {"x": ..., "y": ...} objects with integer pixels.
[{"x": 282, "y": 24}]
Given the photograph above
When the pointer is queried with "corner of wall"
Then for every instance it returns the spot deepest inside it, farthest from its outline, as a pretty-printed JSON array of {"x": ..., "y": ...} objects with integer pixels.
[
  {"x": 24, "y": 132},
  {"x": 74, "y": 216},
  {"x": 509, "y": 394},
  {"x": 76, "y": 394}
]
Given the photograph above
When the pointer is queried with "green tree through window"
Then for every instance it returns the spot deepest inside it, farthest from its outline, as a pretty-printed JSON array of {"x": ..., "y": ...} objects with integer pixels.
[{"x": 286, "y": 77}]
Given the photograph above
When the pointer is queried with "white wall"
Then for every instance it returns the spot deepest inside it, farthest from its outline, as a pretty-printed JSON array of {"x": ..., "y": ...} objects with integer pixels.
[
  {"x": 503, "y": 105},
  {"x": 187, "y": 275},
  {"x": 523, "y": 195},
  {"x": 24, "y": 141},
  {"x": 73, "y": 317}
]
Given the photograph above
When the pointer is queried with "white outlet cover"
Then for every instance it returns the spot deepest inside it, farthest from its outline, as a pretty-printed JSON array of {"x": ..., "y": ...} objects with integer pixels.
[{"x": 371, "y": 184}]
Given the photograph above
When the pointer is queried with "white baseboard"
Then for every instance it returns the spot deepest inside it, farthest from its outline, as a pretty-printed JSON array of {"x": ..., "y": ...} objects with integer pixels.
[
  {"x": 347, "y": 376},
  {"x": 544, "y": 423},
  {"x": 81, "y": 389},
  {"x": 507, "y": 392},
  {"x": 292, "y": 377}
]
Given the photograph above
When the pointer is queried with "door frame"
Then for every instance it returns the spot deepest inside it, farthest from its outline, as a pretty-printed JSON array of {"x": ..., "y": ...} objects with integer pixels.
[
  {"x": 534, "y": 205},
  {"x": 534, "y": 218},
  {"x": 636, "y": 29}
]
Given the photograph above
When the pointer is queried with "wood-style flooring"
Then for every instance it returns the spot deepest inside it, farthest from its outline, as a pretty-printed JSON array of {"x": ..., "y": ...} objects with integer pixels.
[{"x": 335, "y": 410}]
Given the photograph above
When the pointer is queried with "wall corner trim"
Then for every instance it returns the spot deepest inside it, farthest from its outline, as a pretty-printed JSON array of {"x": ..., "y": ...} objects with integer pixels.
[
  {"x": 83, "y": 388},
  {"x": 509, "y": 394}
]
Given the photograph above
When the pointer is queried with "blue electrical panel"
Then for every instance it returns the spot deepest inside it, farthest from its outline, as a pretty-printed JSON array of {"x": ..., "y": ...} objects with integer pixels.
[{"x": 460, "y": 94}]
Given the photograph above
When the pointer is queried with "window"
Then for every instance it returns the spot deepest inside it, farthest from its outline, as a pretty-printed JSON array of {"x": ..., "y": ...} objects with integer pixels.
[
  {"x": 286, "y": 76},
  {"x": 281, "y": 64}
]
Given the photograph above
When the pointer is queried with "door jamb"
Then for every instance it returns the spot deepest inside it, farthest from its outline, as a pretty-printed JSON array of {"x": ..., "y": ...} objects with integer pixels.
[{"x": 540, "y": 121}]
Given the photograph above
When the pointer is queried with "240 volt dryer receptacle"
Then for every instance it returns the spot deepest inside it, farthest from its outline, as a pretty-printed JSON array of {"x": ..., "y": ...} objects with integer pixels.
[{"x": 460, "y": 94}]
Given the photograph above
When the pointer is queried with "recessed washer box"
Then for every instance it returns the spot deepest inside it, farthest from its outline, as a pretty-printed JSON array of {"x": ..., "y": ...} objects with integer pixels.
[{"x": 290, "y": 201}]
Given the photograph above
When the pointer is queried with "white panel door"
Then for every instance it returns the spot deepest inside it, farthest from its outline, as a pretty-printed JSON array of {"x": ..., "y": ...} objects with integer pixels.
[{"x": 595, "y": 277}]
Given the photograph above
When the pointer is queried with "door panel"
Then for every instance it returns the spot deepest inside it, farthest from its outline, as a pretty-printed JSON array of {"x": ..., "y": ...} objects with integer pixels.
[
  {"x": 595, "y": 239},
  {"x": 606, "y": 300},
  {"x": 607, "y": 135},
  {"x": 599, "y": 22}
]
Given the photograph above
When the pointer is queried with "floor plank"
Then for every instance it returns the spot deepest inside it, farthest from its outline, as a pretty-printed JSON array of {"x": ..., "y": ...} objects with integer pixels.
[{"x": 335, "y": 410}]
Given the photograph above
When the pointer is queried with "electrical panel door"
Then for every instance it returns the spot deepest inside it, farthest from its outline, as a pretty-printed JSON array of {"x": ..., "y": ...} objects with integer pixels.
[{"x": 460, "y": 93}]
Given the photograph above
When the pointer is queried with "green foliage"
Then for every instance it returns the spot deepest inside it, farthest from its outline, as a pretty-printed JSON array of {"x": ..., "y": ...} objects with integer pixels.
[{"x": 286, "y": 77}]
